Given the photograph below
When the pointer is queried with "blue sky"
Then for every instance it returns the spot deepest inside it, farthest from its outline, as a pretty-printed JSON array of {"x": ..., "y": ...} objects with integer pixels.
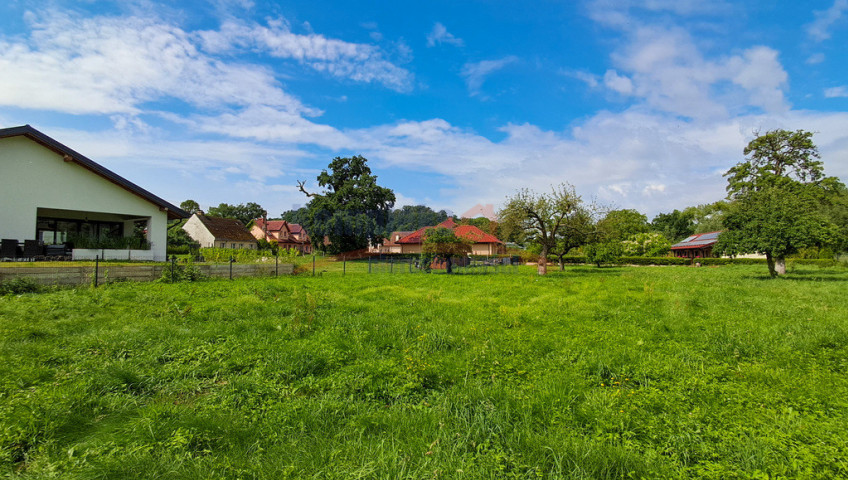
[{"x": 638, "y": 103}]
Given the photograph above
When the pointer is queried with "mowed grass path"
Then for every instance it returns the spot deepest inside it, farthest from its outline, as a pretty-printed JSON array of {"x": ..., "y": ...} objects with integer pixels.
[{"x": 665, "y": 372}]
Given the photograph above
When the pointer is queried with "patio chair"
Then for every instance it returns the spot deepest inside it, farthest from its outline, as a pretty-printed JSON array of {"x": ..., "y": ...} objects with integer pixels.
[
  {"x": 33, "y": 249},
  {"x": 9, "y": 248}
]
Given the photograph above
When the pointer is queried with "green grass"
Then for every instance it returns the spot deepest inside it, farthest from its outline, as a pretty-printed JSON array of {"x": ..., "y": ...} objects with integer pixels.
[{"x": 648, "y": 372}]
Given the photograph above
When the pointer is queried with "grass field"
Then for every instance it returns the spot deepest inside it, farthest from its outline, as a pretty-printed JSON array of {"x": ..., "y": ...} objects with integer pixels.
[{"x": 648, "y": 372}]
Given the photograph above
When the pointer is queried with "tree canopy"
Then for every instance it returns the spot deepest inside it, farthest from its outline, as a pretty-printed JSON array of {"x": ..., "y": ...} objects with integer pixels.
[
  {"x": 352, "y": 211},
  {"x": 444, "y": 244},
  {"x": 190, "y": 206},
  {"x": 413, "y": 217},
  {"x": 675, "y": 226},
  {"x": 780, "y": 199},
  {"x": 623, "y": 224},
  {"x": 541, "y": 217},
  {"x": 245, "y": 213}
]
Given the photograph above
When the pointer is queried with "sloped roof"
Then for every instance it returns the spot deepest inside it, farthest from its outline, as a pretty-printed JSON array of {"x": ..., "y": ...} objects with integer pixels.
[
  {"x": 71, "y": 155},
  {"x": 469, "y": 232},
  {"x": 226, "y": 229},
  {"x": 278, "y": 225},
  {"x": 699, "y": 240}
]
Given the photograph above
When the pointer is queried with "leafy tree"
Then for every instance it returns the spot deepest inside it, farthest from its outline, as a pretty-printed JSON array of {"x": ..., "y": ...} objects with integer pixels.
[
  {"x": 604, "y": 252},
  {"x": 577, "y": 230},
  {"x": 708, "y": 217},
  {"x": 675, "y": 226},
  {"x": 444, "y": 244},
  {"x": 540, "y": 217},
  {"x": 780, "y": 199},
  {"x": 352, "y": 211},
  {"x": 298, "y": 216},
  {"x": 177, "y": 237},
  {"x": 622, "y": 224},
  {"x": 245, "y": 213},
  {"x": 651, "y": 244},
  {"x": 413, "y": 217},
  {"x": 190, "y": 206}
]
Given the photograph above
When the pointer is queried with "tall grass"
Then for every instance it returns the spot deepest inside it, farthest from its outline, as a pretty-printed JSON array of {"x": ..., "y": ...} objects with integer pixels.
[{"x": 654, "y": 372}]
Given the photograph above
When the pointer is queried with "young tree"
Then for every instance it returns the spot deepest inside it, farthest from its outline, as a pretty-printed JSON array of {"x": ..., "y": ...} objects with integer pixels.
[
  {"x": 541, "y": 217},
  {"x": 352, "y": 211},
  {"x": 780, "y": 197},
  {"x": 443, "y": 243}
]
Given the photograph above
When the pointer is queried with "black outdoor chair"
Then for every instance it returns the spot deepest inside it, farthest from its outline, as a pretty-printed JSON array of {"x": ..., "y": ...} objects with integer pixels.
[
  {"x": 33, "y": 249},
  {"x": 8, "y": 248}
]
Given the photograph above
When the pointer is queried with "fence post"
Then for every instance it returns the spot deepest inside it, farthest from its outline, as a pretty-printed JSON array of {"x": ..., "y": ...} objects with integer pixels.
[
  {"x": 344, "y": 266},
  {"x": 173, "y": 267},
  {"x": 391, "y": 265},
  {"x": 410, "y": 265},
  {"x": 313, "y": 265},
  {"x": 276, "y": 265},
  {"x": 231, "y": 267},
  {"x": 369, "y": 264},
  {"x": 96, "y": 268}
]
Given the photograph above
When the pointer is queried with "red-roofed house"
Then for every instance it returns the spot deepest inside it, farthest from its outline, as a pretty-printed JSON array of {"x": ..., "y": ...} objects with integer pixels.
[
  {"x": 484, "y": 243},
  {"x": 696, "y": 246},
  {"x": 285, "y": 234}
]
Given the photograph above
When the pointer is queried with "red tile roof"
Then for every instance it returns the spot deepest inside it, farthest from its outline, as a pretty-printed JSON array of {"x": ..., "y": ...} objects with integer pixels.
[{"x": 469, "y": 232}]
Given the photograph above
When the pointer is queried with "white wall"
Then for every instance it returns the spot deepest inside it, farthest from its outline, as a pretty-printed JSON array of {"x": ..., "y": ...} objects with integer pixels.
[
  {"x": 199, "y": 233},
  {"x": 33, "y": 176}
]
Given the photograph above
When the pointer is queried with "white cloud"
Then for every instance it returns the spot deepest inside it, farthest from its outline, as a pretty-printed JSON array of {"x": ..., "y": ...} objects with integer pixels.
[
  {"x": 354, "y": 61},
  {"x": 475, "y": 73},
  {"x": 591, "y": 80},
  {"x": 667, "y": 70},
  {"x": 819, "y": 29},
  {"x": 620, "y": 84},
  {"x": 440, "y": 35},
  {"x": 836, "y": 92},
  {"x": 114, "y": 65}
]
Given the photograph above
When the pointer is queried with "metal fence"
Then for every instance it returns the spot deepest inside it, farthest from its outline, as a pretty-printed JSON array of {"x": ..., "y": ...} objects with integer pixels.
[{"x": 414, "y": 264}]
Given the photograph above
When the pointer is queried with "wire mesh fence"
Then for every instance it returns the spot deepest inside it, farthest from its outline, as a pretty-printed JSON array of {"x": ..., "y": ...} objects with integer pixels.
[{"x": 398, "y": 264}]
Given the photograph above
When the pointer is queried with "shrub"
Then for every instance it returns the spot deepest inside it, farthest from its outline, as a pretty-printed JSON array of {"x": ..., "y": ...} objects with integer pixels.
[
  {"x": 19, "y": 285},
  {"x": 176, "y": 272}
]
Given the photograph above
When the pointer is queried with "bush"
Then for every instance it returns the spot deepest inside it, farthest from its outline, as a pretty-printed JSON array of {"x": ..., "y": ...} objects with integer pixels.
[
  {"x": 176, "y": 272},
  {"x": 19, "y": 285},
  {"x": 655, "y": 261}
]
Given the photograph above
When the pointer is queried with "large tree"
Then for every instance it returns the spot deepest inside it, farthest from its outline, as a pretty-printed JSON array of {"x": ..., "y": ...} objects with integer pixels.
[
  {"x": 541, "y": 217},
  {"x": 190, "y": 206},
  {"x": 245, "y": 213},
  {"x": 675, "y": 226},
  {"x": 780, "y": 198},
  {"x": 413, "y": 217},
  {"x": 623, "y": 224},
  {"x": 352, "y": 211}
]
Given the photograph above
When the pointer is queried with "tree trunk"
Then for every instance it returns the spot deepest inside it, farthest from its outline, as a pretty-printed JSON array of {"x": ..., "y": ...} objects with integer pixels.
[
  {"x": 542, "y": 266},
  {"x": 776, "y": 265},
  {"x": 561, "y": 264},
  {"x": 448, "y": 265},
  {"x": 780, "y": 265}
]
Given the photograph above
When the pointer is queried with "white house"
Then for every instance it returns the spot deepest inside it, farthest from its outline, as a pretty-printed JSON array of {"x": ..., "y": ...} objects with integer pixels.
[
  {"x": 51, "y": 193},
  {"x": 218, "y": 232}
]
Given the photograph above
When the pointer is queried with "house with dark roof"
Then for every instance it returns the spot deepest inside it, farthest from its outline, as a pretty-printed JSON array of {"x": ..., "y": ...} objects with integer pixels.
[
  {"x": 696, "y": 246},
  {"x": 482, "y": 243},
  {"x": 390, "y": 244},
  {"x": 284, "y": 234},
  {"x": 218, "y": 232},
  {"x": 52, "y": 194}
]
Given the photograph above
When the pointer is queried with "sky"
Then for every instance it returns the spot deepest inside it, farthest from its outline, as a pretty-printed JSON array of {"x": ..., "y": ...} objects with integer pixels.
[{"x": 639, "y": 104}]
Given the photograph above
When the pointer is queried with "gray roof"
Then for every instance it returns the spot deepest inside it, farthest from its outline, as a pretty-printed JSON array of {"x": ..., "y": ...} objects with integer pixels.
[
  {"x": 698, "y": 241},
  {"x": 173, "y": 211}
]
